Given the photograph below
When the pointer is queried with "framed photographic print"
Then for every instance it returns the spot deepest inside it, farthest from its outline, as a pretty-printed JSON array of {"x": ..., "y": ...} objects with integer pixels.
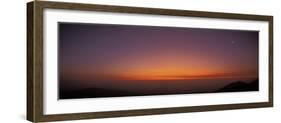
[{"x": 96, "y": 61}]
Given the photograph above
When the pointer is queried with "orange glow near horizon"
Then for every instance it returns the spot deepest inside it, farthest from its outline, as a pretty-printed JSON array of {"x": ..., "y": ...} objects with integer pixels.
[{"x": 173, "y": 67}]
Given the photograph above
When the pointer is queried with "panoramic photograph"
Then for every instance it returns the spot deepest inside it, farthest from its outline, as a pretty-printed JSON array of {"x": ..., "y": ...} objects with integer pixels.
[{"x": 109, "y": 60}]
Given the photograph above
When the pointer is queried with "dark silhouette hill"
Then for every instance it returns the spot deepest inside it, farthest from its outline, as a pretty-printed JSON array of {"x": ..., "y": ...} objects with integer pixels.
[{"x": 240, "y": 86}]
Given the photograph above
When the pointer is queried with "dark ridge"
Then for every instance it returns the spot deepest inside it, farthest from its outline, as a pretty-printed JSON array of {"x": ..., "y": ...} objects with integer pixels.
[{"x": 240, "y": 86}]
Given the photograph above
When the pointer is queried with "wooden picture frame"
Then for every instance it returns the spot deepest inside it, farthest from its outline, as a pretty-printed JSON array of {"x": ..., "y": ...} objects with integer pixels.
[{"x": 35, "y": 60}]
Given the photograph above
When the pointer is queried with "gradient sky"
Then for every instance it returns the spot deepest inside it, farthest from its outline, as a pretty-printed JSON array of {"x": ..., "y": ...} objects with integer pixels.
[{"x": 122, "y": 52}]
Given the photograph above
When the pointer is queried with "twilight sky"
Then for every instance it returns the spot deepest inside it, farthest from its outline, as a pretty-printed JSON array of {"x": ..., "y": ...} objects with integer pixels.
[{"x": 95, "y": 52}]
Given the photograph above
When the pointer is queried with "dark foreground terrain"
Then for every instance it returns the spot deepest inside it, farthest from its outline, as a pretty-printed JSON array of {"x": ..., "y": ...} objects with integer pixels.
[{"x": 237, "y": 86}]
